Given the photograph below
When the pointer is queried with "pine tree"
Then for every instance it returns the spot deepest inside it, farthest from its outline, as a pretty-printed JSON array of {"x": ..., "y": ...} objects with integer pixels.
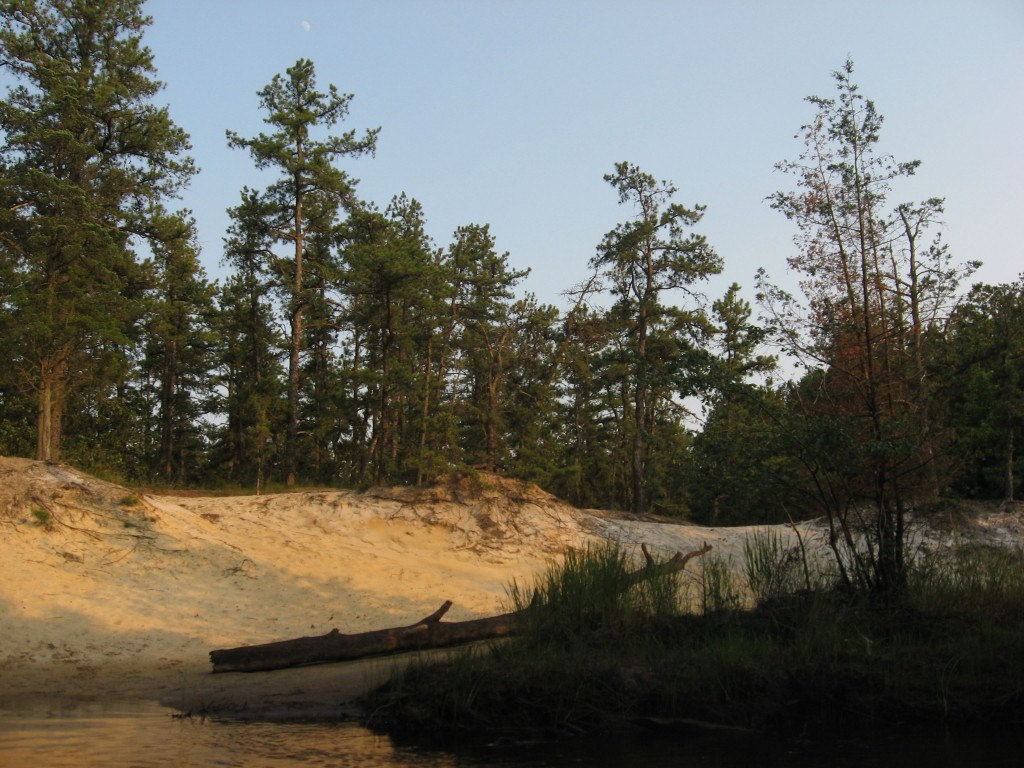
[
  {"x": 532, "y": 439},
  {"x": 388, "y": 279},
  {"x": 731, "y": 457},
  {"x": 87, "y": 159},
  {"x": 981, "y": 373},
  {"x": 308, "y": 178},
  {"x": 482, "y": 305},
  {"x": 178, "y": 356},
  {"x": 322, "y": 407},
  {"x": 250, "y": 381},
  {"x": 588, "y": 421},
  {"x": 642, "y": 260}
]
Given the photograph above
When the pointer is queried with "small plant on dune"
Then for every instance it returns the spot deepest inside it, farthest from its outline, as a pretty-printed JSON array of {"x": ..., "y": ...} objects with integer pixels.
[
  {"x": 43, "y": 517},
  {"x": 967, "y": 578}
]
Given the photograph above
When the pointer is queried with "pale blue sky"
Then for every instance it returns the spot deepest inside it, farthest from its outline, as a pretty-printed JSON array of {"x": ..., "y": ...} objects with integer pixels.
[{"x": 510, "y": 113}]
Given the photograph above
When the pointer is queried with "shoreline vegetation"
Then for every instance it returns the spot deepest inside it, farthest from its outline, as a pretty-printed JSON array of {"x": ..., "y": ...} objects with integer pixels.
[{"x": 754, "y": 651}]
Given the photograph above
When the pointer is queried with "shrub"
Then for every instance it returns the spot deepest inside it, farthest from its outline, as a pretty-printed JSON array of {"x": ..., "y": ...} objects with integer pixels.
[{"x": 773, "y": 570}]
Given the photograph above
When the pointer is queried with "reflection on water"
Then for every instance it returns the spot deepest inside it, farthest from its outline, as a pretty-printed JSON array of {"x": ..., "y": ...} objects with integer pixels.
[{"x": 146, "y": 735}]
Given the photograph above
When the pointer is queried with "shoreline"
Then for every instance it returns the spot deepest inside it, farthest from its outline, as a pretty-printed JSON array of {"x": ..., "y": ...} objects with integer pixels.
[
  {"x": 321, "y": 692},
  {"x": 109, "y": 595}
]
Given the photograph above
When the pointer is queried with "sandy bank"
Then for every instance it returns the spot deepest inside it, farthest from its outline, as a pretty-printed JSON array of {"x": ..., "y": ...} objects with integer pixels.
[{"x": 105, "y": 594}]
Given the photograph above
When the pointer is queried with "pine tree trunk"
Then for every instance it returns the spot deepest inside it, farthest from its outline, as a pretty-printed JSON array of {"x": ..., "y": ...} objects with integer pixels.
[
  {"x": 639, "y": 501},
  {"x": 425, "y": 412},
  {"x": 640, "y": 414},
  {"x": 44, "y": 424},
  {"x": 296, "y": 340},
  {"x": 167, "y": 399},
  {"x": 49, "y": 417},
  {"x": 1008, "y": 491}
]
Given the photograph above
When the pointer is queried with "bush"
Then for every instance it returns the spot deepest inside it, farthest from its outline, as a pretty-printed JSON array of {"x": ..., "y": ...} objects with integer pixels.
[
  {"x": 773, "y": 570},
  {"x": 718, "y": 586}
]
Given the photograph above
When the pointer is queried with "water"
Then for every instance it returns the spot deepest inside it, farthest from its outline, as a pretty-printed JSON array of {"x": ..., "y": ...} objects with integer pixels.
[{"x": 141, "y": 736}]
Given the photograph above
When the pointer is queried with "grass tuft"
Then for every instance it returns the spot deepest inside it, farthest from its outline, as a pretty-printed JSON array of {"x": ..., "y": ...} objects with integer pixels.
[{"x": 594, "y": 589}]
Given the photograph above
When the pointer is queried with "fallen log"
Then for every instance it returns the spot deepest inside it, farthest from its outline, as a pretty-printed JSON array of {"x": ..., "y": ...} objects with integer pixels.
[{"x": 427, "y": 633}]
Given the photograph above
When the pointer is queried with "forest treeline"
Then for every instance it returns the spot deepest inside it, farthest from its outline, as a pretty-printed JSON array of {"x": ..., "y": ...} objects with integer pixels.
[{"x": 345, "y": 347}]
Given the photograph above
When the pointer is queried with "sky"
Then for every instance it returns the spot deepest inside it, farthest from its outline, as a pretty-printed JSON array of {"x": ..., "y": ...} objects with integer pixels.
[{"x": 510, "y": 113}]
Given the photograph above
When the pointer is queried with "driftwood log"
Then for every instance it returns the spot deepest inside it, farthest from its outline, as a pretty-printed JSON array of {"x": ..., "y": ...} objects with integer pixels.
[{"x": 429, "y": 632}]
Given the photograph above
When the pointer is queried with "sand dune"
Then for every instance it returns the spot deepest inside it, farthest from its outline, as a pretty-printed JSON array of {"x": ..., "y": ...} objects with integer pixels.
[{"x": 105, "y": 594}]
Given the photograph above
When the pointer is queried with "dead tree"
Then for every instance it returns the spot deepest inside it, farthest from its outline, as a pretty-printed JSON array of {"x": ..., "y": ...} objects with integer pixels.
[{"x": 427, "y": 633}]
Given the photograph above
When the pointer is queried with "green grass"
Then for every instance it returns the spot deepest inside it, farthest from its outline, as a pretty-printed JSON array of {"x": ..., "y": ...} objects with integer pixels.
[
  {"x": 594, "y": 590},
  {"x": 771, "y": 568},
  {"x": 968, "y": 578},
  {"x": 600, "y": 652}
]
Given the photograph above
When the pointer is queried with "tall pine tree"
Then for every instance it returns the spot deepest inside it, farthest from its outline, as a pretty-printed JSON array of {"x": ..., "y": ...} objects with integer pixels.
[
  {"x": 308, "y": 177},
  {"x": 643, "y": 262}
]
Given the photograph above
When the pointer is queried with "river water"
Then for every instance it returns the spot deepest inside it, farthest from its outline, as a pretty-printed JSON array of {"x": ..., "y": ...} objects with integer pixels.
[{"x": 112, "y": 736}]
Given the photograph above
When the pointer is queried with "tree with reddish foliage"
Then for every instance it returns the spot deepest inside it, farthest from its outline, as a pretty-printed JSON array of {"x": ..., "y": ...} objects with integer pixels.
[{"x": 874, "y": 291}]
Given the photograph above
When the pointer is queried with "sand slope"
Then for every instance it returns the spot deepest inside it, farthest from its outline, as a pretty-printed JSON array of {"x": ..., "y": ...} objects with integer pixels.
[{"x": 108, "y": 595}]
